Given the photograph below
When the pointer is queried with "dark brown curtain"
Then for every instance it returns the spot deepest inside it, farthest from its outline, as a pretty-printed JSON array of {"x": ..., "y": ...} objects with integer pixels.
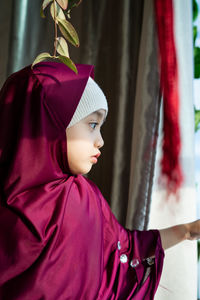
[
  {"x": 5, "y": 21},
  {"x": 118, "y": 37}
]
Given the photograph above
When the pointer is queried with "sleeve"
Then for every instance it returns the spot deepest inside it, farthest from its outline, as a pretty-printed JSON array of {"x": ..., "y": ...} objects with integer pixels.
[{"x": 133, "y": 260}]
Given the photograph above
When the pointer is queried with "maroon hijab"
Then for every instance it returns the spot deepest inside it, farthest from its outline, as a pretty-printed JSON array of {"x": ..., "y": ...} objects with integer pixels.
[
  {"x": 58, "y": 237},
  {"x": 35, "y": 108}
]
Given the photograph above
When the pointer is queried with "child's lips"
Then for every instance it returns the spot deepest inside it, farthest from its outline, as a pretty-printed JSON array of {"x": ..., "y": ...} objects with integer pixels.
[
  {"x": 95, "y": 158},
  {"x": 97, "y": 155}
]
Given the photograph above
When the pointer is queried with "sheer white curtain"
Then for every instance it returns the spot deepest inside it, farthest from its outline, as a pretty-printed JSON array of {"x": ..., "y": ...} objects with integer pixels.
[{"x": 179, "y": 278}]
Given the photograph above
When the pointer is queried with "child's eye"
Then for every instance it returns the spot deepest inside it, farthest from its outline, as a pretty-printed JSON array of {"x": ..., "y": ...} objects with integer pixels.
[{"x": 93, "y": 125}]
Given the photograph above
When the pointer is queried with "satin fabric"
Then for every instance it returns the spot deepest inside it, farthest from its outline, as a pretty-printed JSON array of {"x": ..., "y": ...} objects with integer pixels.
[
  {"x": 128, "y": 73},
  {"x": 58, "y": 236}
]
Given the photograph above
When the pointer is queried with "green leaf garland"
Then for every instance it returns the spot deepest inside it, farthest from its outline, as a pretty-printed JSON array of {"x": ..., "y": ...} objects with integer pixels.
[{"x": 60, "y": 9}]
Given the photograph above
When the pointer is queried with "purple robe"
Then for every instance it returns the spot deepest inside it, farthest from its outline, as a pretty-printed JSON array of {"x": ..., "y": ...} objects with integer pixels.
[{"x": 58, "y": 237}]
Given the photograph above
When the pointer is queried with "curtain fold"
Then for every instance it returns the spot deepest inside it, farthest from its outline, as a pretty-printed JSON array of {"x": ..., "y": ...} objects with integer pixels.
[
  {"x": 119, "y": 39},
  {"x": 179, "y": 277},
  {"x": 5, "y": 21},
  {"x": 145, "y": 125},
  {"x": 30, "y": 34}
]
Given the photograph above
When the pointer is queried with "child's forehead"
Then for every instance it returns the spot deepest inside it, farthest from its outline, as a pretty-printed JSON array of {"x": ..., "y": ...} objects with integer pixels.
[{"x": 100, "y": 114}]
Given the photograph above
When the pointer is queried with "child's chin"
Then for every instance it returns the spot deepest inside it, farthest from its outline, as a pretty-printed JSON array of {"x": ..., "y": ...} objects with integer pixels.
[
  {"x": 86, "y": 171},
  {"x": 83, "y": 171}
]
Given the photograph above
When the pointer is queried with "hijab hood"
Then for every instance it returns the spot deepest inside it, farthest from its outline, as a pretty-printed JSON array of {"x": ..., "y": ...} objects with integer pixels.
[
  {"x": 58, "y": 238},
  {"x": 36, "y": 106}
]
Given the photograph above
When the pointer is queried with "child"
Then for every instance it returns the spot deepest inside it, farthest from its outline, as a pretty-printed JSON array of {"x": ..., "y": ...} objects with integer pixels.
[{"x": 58, "y": 238}]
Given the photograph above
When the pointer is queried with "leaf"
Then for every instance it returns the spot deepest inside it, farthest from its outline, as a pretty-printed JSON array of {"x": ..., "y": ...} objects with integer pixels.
[
  {"x": 42, "y": 12},
  {"x": 68, "y": 62},
  {"x": 59, "y": 12},
  {"x": 41, "y": 57},
  {"x": 197, "y": 71},
  {"x": 73, "y": 3},
  {"x": 197, "y": 119},
  {"x": 199, "y": 250},
  {"x": 196, "y": 62},
  {"x": 195, "y": 10},
  {"x": 194, "y": 34},
  {"x": 63, "y": 3},
  {"x": 68, "y": 14},
  {"x": 68, "y": 32},
  {"x": 62, "y": 47},
  {"x": 46, "y": 3}
]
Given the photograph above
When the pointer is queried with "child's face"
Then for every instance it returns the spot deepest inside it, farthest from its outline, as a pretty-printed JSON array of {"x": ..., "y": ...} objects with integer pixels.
[{"x": 84, "y": 141}]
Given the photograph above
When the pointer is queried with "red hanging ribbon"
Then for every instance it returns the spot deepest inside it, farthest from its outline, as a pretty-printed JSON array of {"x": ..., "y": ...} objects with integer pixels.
[{"x": 170, "y": 164}]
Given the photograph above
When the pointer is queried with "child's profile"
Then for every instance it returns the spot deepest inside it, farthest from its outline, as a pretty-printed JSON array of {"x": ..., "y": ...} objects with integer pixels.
[{"x": 58, "y": 237}]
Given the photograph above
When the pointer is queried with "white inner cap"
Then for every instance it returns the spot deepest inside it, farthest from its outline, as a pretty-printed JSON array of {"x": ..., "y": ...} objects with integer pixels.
[{"x": 92, "y": 100}]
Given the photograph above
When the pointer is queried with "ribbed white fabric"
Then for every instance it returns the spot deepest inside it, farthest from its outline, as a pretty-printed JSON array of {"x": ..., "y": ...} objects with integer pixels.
[{"x": 92, "y": 100}]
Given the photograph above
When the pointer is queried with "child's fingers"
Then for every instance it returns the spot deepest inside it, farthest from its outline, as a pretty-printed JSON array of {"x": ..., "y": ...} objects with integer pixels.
[{"x": 194, "y": 230}]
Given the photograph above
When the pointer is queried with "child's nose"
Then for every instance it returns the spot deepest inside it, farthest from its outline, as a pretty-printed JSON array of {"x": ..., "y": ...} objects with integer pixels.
[{"x": 99, "y": 142}]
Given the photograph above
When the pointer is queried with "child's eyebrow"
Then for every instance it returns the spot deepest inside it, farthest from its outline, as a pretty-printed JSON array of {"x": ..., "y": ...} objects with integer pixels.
[{"x": 99, "y": 114}]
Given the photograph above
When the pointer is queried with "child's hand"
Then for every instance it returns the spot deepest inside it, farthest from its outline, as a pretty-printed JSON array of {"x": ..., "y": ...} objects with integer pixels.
[
  {"x": 193, "y": 230},
  {"x": 176, "y": 234}
]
